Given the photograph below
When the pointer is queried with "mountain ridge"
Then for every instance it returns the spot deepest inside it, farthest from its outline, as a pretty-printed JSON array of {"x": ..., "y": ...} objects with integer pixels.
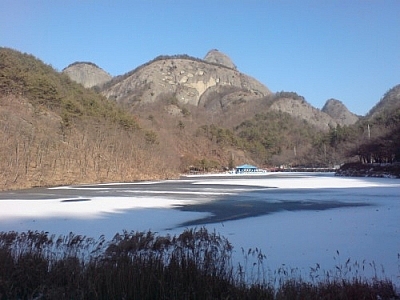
[
  {"x": 187, "y": 80},
  {"x": 57, "y": 132},
  {"x": 182, "y": 77},
  {"x": 389, "y": 102}
]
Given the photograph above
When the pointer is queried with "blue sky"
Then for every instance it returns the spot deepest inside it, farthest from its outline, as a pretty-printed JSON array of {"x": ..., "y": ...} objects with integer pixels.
[{"x": 344, "y": 49}]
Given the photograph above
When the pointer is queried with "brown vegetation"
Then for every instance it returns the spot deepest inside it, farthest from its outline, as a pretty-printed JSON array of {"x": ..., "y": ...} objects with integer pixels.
[
  {"x": 370, "y": 170},
  {"x": 39, "y": 149},
  {"x": 55, "y": 132},
  {"x": 195, "y": 264}
]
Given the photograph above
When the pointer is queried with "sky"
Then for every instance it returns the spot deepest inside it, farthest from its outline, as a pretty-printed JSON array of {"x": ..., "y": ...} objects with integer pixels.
[{"x": 348, "y": 50}]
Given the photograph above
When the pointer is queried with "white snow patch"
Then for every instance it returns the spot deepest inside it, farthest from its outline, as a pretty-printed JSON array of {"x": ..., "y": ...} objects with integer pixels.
[{"x": 368, "y": 234}]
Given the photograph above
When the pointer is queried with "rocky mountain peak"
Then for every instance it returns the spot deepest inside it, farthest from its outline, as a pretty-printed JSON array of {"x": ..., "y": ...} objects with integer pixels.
[
  {"x": 339, "y": 112},
  {"x": 186, "y": 80},
  {"x": 86, "y": 73},
  {"x": 299, "y": 108},
  {"x": 217, "y": 57}
]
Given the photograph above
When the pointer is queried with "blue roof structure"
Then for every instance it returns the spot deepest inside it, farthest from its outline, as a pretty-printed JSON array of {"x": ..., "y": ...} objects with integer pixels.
[{"x": 246, "y": 166}]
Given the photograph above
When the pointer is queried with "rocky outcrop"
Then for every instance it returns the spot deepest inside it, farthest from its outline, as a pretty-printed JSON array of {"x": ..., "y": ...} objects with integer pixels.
[
  {"x": 301, "y": 109},
  {"x": 87, "y": 74},
  {"x": 182, "y": 78},
  {"x": 222, "y": 97},
  {"x": 217, "y": 57},
  {"x": 339, "y": 112},
  {"x": 213, "y": 83}
]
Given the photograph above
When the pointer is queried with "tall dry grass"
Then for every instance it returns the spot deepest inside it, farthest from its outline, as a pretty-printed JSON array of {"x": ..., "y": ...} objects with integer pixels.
[{"x": 197, "y": 264}]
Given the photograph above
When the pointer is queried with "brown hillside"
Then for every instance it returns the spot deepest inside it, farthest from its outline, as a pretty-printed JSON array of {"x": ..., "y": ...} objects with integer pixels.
[
  {"x": 171, "y": 115},
  {"x": 56, "y": 132},
  {"x": 389, "y": 102}
]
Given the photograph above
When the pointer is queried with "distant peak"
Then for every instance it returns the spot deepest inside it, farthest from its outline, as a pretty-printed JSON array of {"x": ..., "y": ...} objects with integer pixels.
[
  {"x": 339, "y": 112},
  {"x": 217, "y": 57},
  {"x": 335, "y": 101},
  {"x": 86, "y": 73},
  {"x": 82, "y": 63}
]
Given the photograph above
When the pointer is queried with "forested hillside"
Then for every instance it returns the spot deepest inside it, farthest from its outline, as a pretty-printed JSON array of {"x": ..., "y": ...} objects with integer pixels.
[
  {"x": 53, "y": 131},
  {"x": 381, "y": 130},
  {"x": 374, "y": 142}
]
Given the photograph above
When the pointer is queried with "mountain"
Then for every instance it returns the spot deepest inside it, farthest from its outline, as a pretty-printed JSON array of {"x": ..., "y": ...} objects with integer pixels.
[
  {"x": 172, "y": 115},
  {"x": 56, "y": 132},
  {"x": 86, "y": 73},
  {"x": 183, "y": 79},
  {"x": 339, "y": 112},
  {"x": 203, "y": 105},
  {"x": 299, "y": 108},
  {"x": 212, "y": 83},
  {"x": 388, "y": 103},
  {"x": 375, "y": 138}
]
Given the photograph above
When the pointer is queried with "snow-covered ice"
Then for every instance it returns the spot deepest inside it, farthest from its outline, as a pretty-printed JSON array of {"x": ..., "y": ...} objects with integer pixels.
[{"x": 296, "y": 239}]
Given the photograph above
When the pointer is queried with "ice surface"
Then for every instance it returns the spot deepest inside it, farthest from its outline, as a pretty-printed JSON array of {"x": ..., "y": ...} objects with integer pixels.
[{"x": 368, "y": 235}]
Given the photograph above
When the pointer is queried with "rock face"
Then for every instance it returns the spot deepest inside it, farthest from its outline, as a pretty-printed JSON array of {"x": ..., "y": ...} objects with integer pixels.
[
  {"x": 87, "y": 74},
  {"x": 213, "y": 83},
  {"x": 183, "y": 79},
  {"x": 214, "y": 56},
  {"x": 301, "y": 109},
  {"x": 339, "y": 112}
]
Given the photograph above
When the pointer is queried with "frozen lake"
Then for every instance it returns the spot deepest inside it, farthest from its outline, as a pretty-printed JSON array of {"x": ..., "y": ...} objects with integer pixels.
[{"x": 297, "y": 219}]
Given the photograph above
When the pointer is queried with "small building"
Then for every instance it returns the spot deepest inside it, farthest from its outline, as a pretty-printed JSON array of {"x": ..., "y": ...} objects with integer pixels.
[{"x": 246, "y": 169}]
